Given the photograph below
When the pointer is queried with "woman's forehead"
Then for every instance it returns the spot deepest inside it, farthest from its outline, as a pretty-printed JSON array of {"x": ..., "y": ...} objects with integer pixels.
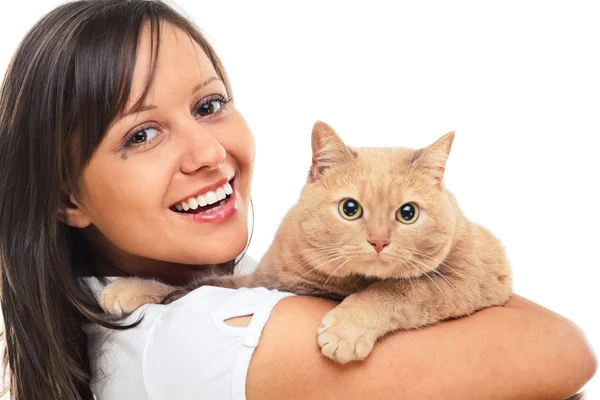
[{"x": 181, "y": 64}]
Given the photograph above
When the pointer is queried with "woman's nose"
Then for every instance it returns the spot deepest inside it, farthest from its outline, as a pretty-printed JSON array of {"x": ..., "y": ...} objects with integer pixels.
[{"x": 203, "y": 150}]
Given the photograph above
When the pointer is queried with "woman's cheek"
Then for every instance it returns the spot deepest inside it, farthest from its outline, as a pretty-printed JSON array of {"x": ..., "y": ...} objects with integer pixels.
[{"x": 239, "y": 143}]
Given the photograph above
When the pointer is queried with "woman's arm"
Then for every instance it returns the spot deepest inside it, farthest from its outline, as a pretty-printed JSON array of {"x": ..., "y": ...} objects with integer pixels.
[{"x": 519, "y": 351}]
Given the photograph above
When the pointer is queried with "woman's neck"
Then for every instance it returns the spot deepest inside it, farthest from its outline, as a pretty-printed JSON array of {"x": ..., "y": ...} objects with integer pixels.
[{"x": 109, "y": 260}]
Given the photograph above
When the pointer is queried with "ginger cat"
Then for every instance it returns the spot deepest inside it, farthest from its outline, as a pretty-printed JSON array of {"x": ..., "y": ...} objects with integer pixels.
[{"x": 377, "y": 229}]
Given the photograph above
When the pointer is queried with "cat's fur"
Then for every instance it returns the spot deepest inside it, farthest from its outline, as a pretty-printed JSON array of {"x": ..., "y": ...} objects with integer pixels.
[{"x": 441, "y": 266}]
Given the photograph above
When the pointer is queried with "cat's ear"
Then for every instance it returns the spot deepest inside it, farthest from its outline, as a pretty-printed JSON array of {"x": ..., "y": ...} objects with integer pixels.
[
  {"x": 328, "y": 150},
  {"x": 433, "y": 157}
]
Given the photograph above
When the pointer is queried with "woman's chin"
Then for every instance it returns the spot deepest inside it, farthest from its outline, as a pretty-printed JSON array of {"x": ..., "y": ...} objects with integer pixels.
[{"x": 215, "y": 249}]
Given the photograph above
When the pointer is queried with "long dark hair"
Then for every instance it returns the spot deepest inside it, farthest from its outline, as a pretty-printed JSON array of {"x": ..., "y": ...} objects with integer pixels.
[{"x": 70, "y": 77}]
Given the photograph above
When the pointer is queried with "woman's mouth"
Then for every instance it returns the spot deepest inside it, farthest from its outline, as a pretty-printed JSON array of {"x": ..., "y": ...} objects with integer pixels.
[
  {"x": 206, "y": 202},
  {"x": 212, "y": 206}
]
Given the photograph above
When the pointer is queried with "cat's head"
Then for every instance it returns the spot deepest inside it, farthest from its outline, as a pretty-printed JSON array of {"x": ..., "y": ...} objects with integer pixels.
[{"x": 379, "y": 212}]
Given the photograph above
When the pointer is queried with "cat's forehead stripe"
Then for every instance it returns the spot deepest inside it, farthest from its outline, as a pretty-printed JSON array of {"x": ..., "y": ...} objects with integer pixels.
[{"x": 383, "y": 175}]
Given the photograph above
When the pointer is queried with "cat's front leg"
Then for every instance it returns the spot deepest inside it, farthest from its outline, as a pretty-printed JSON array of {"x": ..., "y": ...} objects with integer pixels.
[
  {"x": 125, "y": 295},
  {"x": 349, "y": 331}
]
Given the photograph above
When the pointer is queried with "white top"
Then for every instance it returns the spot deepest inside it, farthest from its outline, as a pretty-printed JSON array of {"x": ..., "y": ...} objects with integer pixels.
[{"x": 183, "y": 350}]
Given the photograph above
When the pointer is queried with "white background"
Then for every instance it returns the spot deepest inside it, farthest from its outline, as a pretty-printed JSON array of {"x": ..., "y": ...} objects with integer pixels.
[{"x": 518, "y": 80}]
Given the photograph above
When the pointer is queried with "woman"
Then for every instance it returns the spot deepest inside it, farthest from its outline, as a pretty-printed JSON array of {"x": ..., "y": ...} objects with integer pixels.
[{"x": 111, "y": 114}]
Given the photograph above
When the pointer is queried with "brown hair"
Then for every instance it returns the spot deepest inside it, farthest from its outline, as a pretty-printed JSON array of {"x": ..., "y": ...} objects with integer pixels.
[{"x": 70, "y": 77}]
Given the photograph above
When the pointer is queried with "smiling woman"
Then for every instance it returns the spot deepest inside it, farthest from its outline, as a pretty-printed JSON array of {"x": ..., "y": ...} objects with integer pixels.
[
  {"x": 135, "y": 162},
  {"x": 112, "y": 131},
  {"x": 179, "y": 141}
]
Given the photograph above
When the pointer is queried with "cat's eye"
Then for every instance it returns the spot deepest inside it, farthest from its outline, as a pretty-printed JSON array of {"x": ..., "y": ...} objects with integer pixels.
[
  {"x": 350, "y": 209},
  {"x": 408, "y": 213}
]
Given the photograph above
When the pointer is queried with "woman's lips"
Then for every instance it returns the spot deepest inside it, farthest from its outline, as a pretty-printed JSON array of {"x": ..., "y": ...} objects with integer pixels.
[
  {"x": 221, "y": 214},
  {"x": 208, "y": 195}
]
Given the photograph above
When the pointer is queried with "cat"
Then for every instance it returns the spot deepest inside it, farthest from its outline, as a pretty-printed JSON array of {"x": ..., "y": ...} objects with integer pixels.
[{"x": 377, "y": 229}]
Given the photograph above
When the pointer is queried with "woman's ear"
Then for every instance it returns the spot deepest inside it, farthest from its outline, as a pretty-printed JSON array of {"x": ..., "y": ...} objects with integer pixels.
[{"x": 71, "y": 213}]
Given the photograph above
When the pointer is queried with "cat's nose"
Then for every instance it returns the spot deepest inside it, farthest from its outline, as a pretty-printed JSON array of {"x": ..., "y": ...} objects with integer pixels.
[{"x": 379, "y": 244}]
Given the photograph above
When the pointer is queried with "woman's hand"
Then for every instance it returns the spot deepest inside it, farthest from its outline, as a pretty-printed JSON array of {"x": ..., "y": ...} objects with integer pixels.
[{"x": 519, "y": 351}]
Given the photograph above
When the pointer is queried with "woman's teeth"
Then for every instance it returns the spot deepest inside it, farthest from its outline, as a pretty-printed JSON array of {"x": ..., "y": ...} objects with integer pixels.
[{"x": 205, "y": 199}]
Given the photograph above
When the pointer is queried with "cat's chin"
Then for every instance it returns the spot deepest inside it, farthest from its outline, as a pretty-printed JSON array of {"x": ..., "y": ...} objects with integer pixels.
[{"x": 374, "y": 267}]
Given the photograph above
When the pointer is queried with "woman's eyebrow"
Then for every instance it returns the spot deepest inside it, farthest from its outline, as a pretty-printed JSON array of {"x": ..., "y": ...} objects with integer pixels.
[
  {"x": 206, "y": 82},
  {"x": 147, "y": 107},
  {"x": 136, "y": 110}
]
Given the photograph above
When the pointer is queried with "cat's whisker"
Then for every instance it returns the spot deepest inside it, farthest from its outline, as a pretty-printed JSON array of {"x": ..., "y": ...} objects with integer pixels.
[
  {"x": 457, "y": 273},
  {"x": 321, "y": 247},
  {"x": 319, "y": 251},
  {"x": 446, "y": 279},
  {"x": 445, "y": 264},
  {"x": 432, "y": 280},
  {"x": 321, "y": 265},
  {"x": 355, "y": 254},
  {"x": 320, "y": 260},
  {"x": 317, "y": 254},
  {"x": 410, "y": 278},
  {"x": 309, "y": 262},
  {"x": 311, "y": 258},
  {"x": 402, "y": 265},
  {"x": 440, "y": 262},
  {"x": 327, "y": 261},
  {"x": 334, "y": 271}
]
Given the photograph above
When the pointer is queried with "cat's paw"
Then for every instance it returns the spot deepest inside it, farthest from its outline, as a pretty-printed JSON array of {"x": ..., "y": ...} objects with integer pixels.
[
  {"x": 343, "y": 338},
  {"x": 125, "y": 295}
]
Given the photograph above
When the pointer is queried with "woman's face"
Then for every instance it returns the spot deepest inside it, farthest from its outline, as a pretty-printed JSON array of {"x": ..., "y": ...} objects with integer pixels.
[{"x": 186, "y": 142}]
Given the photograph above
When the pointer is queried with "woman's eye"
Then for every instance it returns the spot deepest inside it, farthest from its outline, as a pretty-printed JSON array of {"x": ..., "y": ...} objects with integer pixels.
[
  {"x": 209, "y": 108},
  {"x": 144, "y": 135},
  {"x": 408, "y": 213},
  {"x": 350, "y": 209}
]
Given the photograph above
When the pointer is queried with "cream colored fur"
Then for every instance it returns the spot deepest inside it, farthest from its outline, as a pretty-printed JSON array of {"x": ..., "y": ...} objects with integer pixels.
[{"x": 440, "y": 266}]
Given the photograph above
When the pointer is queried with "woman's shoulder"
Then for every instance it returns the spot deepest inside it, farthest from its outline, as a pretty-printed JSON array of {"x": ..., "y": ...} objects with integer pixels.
[{"x": 184, "y": 348}]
